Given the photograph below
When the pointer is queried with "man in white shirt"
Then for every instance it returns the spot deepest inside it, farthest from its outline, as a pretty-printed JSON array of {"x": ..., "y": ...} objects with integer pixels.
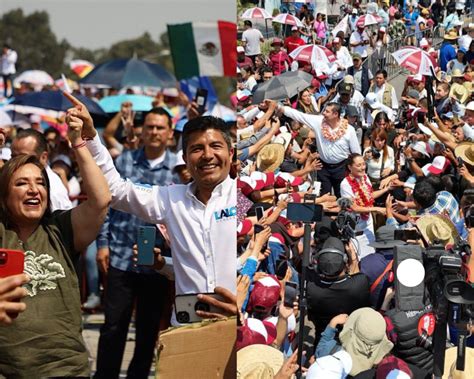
[
  {"x": 335, "y": 140},
  {"x": 200, "y": 217},
  {"x": 384, "y": 91},
  {"x": 251, "y": 39},
  {"x": 8, "y": 69},
  {"x": 465, "y": 40},
  {"x": 32, "y": 142},
  {"x": 360, "y": 41},
  {"x": 343, "y": 61}
]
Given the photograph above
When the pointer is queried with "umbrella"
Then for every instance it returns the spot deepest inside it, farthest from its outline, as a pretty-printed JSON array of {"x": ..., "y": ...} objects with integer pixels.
[
  {"x": 415, "y": 60},
  {"x": 34, "y": 77},
  {"x": 315, "y": 54},
  {"x": 112, "y": 104},
  {"x": 369, "y": 19},
  {"x": 288, "y": 19},
  {"x": 81, "y": 67},
  {"x": 56, "y": 101},
  {"x": 121, "y": 73},
  {"x": 283, "y": 86},
  {"x": 256, "y": 13},
  {"x": 5, "y": 119}
]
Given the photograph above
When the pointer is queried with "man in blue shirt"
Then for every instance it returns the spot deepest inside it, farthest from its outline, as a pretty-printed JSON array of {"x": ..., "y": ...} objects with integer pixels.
[
  {"x": 127, "y": 284},
  {"x": 447, "y": 51}
]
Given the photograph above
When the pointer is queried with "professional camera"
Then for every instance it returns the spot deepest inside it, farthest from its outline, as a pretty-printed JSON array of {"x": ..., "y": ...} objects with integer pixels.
[
  {"x": 346, "y": 220},
  {"x": 375, "y": 153}
]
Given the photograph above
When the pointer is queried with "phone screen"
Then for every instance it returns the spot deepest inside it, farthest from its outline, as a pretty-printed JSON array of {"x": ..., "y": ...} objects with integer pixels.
[
  {"x": 259, "y": 212},
  {"x": 304, "y": 212},
  {"x": 291, "y": 293}
]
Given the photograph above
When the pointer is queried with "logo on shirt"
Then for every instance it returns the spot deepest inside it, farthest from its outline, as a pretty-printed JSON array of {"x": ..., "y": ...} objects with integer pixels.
[
  {"x": 225, "y": 213},
  {"x": 43, "y": 272}
]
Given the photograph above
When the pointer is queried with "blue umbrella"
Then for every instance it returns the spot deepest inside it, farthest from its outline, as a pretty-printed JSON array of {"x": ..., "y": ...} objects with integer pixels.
[
  {"x": 56, "y": 101},
  {"x": 121, "y": 73},
  {"x": 112, "y": 104}
]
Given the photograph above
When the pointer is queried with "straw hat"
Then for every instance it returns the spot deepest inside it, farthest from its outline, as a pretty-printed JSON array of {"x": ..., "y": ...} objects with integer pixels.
[
  {"x": 451, "y": 35},
  {"x": 437, "y": 227},
  {"x": 363, "y": 337},
  {"x": 443, "y": 77},
  {"x": 450, "y": 364},
  {"x": 459, "y": 92},
  {"x": 270, "y": 157},
  {"x": 469, "y": 86},
  {"x": 457, "y": 73},
  {"x": 465, "y": 150},
  {"x": 250, "y": 355}
]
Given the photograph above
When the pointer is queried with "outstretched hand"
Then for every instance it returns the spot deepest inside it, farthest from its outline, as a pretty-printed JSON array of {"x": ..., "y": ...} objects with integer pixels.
[
  {"x": 228, "y": 305},
  {"x": 81, "y": 111}
]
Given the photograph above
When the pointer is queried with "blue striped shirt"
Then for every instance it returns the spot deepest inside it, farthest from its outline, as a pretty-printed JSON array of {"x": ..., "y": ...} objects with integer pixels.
[{"x": 120, "y": 229}]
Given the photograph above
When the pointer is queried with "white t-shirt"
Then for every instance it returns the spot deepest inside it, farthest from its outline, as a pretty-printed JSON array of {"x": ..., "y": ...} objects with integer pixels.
[
  {"x": 374, "y": 165},
  {"x": 58, "y": 193},
  {"x": 465, "y": 41},
  {"x": 252, "y": 38},
  {"x": 361, "y": 49}
]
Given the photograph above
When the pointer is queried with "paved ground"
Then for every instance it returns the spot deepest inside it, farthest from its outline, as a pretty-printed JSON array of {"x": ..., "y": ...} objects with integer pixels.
[{"x": 92, "y": 324}]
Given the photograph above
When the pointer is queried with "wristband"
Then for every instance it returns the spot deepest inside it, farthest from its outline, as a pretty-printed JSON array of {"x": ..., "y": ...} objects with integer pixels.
[{"x": 82, "y": 144}]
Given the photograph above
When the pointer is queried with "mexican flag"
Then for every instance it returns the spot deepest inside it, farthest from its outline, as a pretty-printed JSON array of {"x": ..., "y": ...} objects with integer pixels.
[{"x": 203, "y": 48}]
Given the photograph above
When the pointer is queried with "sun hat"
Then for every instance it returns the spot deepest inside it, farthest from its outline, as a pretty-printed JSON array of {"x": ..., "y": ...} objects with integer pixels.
[
  {"x": 335, "y": 366},
  {"x": 283, "y": 138},
  {"x": 264, "y": 295},
  {"x": 439, "y": 165},
  {"x": 250, "y": 355},
  {"x": 443, "y": 77},
  {"x": 270, "y": 157},
  {"x": 437, "y": 227},
  {"x": 459, "y": 92},
  {"x": 469, "y": 85},
  {"x": 392, "y": 367},
  {"x": 385, "y": 239},
  {"x": 256, "y": 370},
  {"x": 451, "y": 35},
  {"x": 450, "y": 364},
  {"x": 255, "y": 331},
  {"x": 465, "y": 150},
  {"x": 364, "y": 338},
  {"x": 457, "y": 73}
]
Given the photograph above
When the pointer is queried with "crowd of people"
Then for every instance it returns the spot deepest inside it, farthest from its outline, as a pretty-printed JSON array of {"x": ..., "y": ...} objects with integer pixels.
[{"x": 392, "y": 171}]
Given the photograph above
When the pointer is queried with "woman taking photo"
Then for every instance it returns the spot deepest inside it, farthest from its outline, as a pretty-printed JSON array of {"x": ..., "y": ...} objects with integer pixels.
[
  {"x": 382, "y": 121},
  {"x": 357, "y": 187},
  {"x": 45, "y": 340},
  {"x": 379, "y": 157}
]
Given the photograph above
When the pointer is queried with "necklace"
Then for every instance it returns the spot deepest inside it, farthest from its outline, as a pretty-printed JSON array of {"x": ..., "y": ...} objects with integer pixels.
[
  {"x": 363, "y": 193},
  {"x": 333, "y": 135}
]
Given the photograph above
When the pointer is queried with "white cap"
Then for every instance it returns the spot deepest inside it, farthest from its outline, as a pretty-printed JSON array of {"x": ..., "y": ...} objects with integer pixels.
[
  {"x": 470, "y": 106},
  {"x": 424, "y": 43},
  {"x": 354, "y": 11},
  {"x": 35, "y": 119},
  {"x": 333, "y": 366},
  {"x": 240, "y": 49},
  {"x": 171, "y": 92},
  {"x": 349, "y": 79},
  {"x": 336, "y": 40},
  {"x": 294, "y": 28},
  {"x": 382, "y": 29},
  {"x": 62, "y": 158},
  {"x": 371, "y": 99},
  {"x": 5, "y": 153},
  {"x": 420, "y": 147}
]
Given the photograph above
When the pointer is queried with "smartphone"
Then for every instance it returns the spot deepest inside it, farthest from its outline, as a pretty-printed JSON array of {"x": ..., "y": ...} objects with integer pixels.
[
  {"x": 11, "y": 262},
  {"x": 259, "y": 213},
  {"x": 460, "y": 162},
  {"x": 291, "y": 292},
  {"x": 313, "y": 148},
  {"x": 146, "y": 245},
  {"x": 185, "y": 307},
  {"x": 309, "y": 197},
  {"x": 201, "y": 99},
  {"x": 316, "y": 188},
  {"x": 406, "y": 234},
  {"x": 304, "y": 212}
]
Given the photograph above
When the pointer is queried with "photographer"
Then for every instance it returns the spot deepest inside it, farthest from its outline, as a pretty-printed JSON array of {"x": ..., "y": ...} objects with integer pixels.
[
  {"x": 379, "y": 157},
  {"x": 331, "y": 290}
]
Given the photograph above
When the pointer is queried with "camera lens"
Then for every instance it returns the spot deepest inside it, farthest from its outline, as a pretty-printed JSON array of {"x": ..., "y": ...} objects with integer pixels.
[
  {"x": 425, "y": 341},
  {"x": 200, "y": 306},
  {"x": 182, "y": 317}
]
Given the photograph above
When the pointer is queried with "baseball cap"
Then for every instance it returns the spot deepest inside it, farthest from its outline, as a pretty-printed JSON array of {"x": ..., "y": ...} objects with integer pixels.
[
  {"x": 352, "y": 111},
  {"x": 416, "y": 78},
  {"x": 276, "y": 41},
  {"x": 240, "y": 49},
  {"x": 371, "y": 99},
  {"x": 393, "y": 367},
  {"x": 470, "y": 106},
  {"x": 62, "y": 158},
  {"x": 5, "y": 154},
  {"x": 349, "y": 79},
  {"x": 420, "y": 147},
  {"x": 354, "y": 11},
  {"x": 265, "y": 294},
  {"x": 438, "y": 166},
  {"x": 382, "y": 29},
  {"x": 294, "y": 28},
  {"x": 356, "y": 56},
  {"x": 336, "y": 40},
  {"x": 424, "y": 43},
  {"x": 345, "y": 89},
  {"x": 255, "y": 331},
  {"x": 413, "y": 93},
  {"x": 335, "y": 366},
  {"x": 330, "y": 262}
]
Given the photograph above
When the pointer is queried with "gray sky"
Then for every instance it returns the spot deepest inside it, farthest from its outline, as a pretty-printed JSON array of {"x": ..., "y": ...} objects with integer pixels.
[{"x": 99, "y": 23}]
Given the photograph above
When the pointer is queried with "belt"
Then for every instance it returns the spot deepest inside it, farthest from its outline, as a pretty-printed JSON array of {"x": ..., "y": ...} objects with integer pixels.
[{"x": 333, "y": 165}]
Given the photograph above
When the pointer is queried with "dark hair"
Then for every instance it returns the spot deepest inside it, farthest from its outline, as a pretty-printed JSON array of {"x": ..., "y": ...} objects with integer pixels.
[
  {"x": 200, "y": 124},
  {"x": 398, "y": 15},
  {"x": 162, "y": 112},
  {"x": 383, "y": 72},
  {"x": 436, "y": 182},
  {"x": 336, "y": 107},
  {"x": 248, "y": 23},
  {"x": 41, "y": 142},
  {"x": 52, "y": 130},
  {"x": 265, "y": 69},
  {"x": 6, "y": 174},
  {"x": 351, "y": 158},
  {"x": 424, "y": 193}
]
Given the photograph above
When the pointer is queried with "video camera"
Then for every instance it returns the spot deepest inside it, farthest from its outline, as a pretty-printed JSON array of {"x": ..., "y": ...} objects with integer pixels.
[{"x": 346, "y": 220}]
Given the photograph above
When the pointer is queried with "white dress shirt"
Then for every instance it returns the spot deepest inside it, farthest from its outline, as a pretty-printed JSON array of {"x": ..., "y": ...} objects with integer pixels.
[
  {"x": 374, "y": 165},
  {"x": 360, "y": 49},
  {"x": 344, "y": 60},
  {"x": 379, "y": 92},
  {"x": 330, "y": 152},
  {"x": 57, "y": 192},
  {"x": 202, "y": 237},
  {"x": 8, "y": 61}
]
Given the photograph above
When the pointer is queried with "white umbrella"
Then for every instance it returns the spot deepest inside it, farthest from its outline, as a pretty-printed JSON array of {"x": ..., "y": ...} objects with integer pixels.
[
  {"x": 369, "y": 19},
  {"x": 288, "y": 19},
  {"x": 34, "y": 77},
  {"x": 341, "y": 26},
  {"x": 416, "y": 60},
  {"x": 256, "y": 13},
  {"x": 319, "y": 56}
]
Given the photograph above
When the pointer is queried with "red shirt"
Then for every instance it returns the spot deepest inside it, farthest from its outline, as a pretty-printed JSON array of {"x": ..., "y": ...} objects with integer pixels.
[{"x": 292, "y": 43}]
